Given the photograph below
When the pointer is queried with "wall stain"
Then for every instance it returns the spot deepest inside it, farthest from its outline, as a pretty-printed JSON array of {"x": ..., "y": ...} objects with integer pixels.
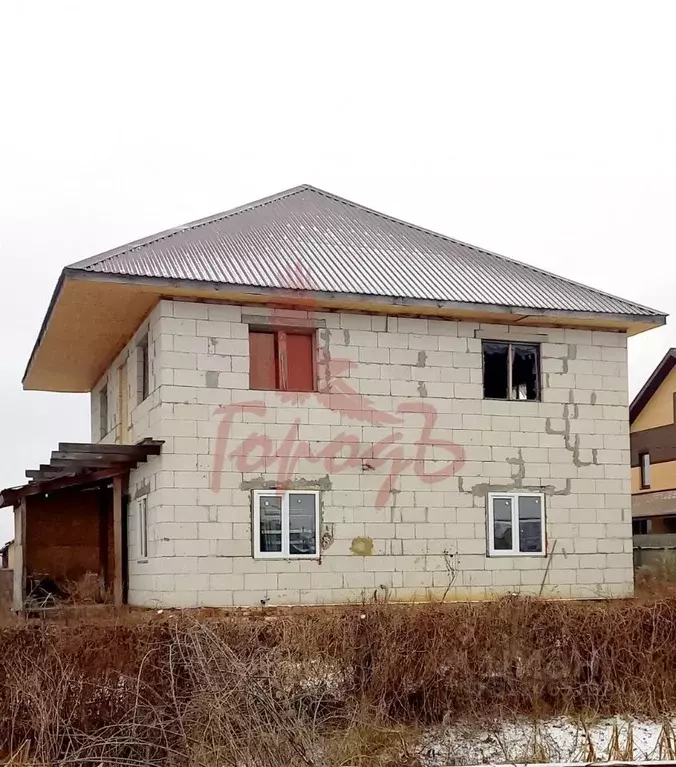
[
  {"x": 422, "y": 389},
  {"x": 362, "y": 547},
  {"x": 422, "y": 359},
  {"x": 212, "y": 379},
  {"x": 326, "y": 537},
  {"x": 346, "y": 337}
]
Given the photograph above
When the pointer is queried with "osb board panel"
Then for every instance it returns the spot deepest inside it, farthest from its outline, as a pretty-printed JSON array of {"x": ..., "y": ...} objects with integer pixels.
[
  {"x": 92, "y": 321},
  {"x": 63, "y": 534},
  {"x": 6, "y": 589}
]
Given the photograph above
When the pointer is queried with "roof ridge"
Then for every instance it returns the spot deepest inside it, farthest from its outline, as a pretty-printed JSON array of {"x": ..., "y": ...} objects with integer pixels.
[
  {"x": 537, "y": 269},
  {"x": 189, "y": 226}
]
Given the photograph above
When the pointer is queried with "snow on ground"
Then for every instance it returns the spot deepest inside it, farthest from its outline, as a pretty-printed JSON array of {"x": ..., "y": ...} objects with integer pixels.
[{"x": 554, "y": 740}]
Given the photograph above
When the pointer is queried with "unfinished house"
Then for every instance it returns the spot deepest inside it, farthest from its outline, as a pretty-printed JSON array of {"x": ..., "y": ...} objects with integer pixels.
[{"x": 341, "y": 406}]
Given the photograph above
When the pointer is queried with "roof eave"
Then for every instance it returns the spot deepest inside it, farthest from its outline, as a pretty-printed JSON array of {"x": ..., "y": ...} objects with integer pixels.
[
  {"x": 45, "y": 322},
  {"x": 147, "y": 290},
  {"x": 223, "y": 289}
]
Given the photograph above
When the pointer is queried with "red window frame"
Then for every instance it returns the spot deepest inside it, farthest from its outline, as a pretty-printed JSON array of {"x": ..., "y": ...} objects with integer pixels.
[{"x": 282, "y": 360}]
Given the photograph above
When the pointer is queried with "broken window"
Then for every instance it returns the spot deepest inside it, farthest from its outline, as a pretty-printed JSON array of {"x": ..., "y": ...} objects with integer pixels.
[
  {"x": 516, "y": 524},
  {"x": 286, "y": 524},
  {"x": 511, "y": 370},
  {"x": 103, "y": 411},
  {"x": 644, "y": 463},
  {"x": 143, "y": 369},
  {"x": 281, "y": 360}
]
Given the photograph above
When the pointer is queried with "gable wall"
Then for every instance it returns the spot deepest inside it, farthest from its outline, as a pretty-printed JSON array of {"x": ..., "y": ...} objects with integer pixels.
[{"x": 659, "y": 410}]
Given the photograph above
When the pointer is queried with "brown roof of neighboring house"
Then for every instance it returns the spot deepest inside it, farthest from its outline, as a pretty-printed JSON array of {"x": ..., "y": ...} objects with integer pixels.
[{"x": 652, "y": 384}]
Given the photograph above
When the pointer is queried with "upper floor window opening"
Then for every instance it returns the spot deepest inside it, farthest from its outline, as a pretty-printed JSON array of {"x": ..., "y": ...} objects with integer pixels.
[
  {"x": 511, "y": 370},
  {"x": 282, "y": 360}
]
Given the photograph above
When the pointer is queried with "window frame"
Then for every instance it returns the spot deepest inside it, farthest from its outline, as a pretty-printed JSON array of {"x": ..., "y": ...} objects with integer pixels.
[
  {"x": 104, "y": 415},
  {"x": 143, "y": 528},
  {"x": 510, "y": 362},
  {"x": 256, "y": 526},
  {"x": 281, "y": 356},
  {"x": 644, "y": 467},
  {"x": 143, "y": 369},
  {"x": 514, "y": 551}
]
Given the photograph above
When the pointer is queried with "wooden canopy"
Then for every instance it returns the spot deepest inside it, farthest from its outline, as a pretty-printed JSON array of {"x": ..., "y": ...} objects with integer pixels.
[{"x": 81, "y": 463}]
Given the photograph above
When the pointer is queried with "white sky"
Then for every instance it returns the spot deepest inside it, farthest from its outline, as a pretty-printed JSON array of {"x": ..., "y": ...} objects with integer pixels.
[{"x": 542, "y": 131}]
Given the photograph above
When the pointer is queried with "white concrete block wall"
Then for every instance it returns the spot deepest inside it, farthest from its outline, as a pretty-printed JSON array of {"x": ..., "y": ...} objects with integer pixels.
[
  {"x": 427, "y": 538},
  {"x": 143, "y": 420}
]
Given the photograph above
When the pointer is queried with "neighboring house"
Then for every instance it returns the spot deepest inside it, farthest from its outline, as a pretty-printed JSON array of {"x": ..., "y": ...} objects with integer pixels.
[
  {"x": 653, "y": 451},
  {"x": 350, "y": 406}
]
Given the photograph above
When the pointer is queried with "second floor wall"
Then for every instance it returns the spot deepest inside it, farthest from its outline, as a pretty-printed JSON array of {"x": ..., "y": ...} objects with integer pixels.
[{"x": 550, "y": 398}]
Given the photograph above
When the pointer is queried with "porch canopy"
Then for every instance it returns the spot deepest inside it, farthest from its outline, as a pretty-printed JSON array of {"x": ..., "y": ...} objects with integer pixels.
[
  {"x": 60, "y": 524},
  {"x": 80, "y": 463}
]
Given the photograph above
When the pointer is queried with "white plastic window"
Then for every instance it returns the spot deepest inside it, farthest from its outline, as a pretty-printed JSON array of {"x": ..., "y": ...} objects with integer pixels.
[
  {"x": 516, "y": 524},
  {"x": 286, "y": 524}
]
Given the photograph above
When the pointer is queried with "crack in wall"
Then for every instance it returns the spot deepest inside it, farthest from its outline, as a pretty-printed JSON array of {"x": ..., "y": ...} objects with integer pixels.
[
  {"x": 326, "y": 358},
  {"x": 573, "y": 446},
  {"x": 520, "y": 474},
  {"x": 572, "y": 355}
]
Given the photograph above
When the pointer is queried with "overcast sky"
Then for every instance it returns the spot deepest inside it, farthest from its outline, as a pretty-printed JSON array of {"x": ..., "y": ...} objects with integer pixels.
[{"x": 542, "y": 131}]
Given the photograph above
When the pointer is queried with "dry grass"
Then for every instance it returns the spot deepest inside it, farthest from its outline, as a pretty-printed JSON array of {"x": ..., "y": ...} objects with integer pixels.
[{"x": 328, "y": 686}]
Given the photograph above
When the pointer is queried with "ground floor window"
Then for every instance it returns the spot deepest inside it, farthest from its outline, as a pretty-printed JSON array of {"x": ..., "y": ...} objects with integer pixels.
[
  {"x": 516, "y": 524},
  {"x": 641, "y": 526},
  {"x": 285, "y": 524}
]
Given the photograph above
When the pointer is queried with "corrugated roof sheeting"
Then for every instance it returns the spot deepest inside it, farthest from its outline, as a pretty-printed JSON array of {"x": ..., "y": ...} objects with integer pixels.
[{"x": 312, "y": 240}]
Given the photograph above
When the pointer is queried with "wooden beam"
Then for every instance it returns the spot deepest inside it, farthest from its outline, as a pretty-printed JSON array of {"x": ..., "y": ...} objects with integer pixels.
[
  {"x": 117, "y": 456},
  {"x": 152, "y": 447},
  {"x": 19, "y": 585},
  {"x": 45, "y": 472},
  {"x": 13, "y": 496},
  {"x": 118, "y": 489},
  {"x": 103, "y": 536},
  {"x": 76, "y": 465}
]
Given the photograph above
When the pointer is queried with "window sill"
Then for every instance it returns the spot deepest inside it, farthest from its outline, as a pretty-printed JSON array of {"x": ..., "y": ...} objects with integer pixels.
[
  {"x": 287, "y": 391},
  {"x": 281, "y": 558},
  {"x": 503, "y": 399},
  {"x": 141, "y": 561},
  {"x": 541, "y": 554}
]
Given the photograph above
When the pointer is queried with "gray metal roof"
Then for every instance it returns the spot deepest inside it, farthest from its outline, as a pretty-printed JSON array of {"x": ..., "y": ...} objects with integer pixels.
[{"x": 305, "y": 238}]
